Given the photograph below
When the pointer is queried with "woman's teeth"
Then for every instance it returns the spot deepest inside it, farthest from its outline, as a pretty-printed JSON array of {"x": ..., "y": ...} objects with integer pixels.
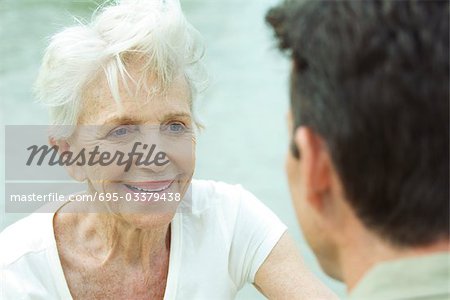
[{"x": 143, "y": 190}]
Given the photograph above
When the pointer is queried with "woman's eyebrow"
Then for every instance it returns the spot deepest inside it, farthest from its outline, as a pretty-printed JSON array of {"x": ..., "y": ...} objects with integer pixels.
[
  {"x": 124, "y": 120},
  {"x": 175, "y": 115},
  {"x": 116, "y": 120}
]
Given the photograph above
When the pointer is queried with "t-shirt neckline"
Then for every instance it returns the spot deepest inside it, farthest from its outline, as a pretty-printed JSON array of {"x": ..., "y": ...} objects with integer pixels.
[{"x": 172, "y": 273}]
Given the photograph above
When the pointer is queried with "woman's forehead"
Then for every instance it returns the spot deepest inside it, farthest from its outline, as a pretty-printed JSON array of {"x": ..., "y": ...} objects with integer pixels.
[{"x": 141, "y": 103}]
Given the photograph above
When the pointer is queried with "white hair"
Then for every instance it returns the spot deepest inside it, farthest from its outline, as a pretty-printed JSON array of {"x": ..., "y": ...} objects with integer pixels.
[{"x": 154, "y": 31}]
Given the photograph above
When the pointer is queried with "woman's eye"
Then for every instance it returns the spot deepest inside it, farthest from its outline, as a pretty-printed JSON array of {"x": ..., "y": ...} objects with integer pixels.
[
  {"x": 175, "y": 128},
  {"x": 121, "y": 131}
]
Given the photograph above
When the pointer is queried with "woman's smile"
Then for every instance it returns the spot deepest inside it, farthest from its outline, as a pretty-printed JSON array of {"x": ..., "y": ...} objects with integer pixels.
[{"x": 149, "y": 186}]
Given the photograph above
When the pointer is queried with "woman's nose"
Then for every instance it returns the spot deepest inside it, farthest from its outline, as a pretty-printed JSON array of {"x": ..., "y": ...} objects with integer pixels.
[{"x": 152, "y": 157}]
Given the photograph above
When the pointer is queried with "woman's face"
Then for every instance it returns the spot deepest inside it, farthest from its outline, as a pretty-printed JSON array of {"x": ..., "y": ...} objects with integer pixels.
[{"x": 155, "y": 136}]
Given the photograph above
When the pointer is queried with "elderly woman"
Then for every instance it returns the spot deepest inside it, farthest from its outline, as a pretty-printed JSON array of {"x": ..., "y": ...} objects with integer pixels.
[{"x": 124, "y": 81}]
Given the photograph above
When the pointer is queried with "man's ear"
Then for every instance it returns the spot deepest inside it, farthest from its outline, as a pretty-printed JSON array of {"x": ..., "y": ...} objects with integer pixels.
[
  {"x": 316, "y": 166},
  {"x": 75, "y": 171}
]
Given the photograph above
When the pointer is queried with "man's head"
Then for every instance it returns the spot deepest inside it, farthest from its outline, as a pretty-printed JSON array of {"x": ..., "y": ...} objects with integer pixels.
[{"x": 370, "y": 120}]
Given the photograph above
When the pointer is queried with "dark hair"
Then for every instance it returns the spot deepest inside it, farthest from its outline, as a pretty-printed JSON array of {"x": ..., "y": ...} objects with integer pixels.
[{"x": 372, "y": 79}]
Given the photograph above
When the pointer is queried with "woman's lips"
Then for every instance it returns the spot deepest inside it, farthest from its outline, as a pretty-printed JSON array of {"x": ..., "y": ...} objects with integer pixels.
[{"x": 149, "y": 186}]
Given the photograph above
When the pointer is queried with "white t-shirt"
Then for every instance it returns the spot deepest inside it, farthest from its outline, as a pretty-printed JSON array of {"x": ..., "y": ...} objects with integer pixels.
[{"x": 214, "y": 250}]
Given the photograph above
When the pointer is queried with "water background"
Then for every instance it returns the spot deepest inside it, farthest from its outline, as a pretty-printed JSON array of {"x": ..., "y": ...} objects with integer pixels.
[{"x": 243, "y": 109}]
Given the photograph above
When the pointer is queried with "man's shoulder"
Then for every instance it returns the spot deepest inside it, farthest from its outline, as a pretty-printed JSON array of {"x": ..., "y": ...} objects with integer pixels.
[
  {"x": 420, "y": 277},
  {"x": 26, "y": 236}
]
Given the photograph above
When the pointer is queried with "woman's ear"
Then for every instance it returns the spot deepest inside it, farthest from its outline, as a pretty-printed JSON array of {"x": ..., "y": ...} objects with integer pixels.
[
  {"x": 64, "y": 149},
  {"x": 316, "y": 167}
]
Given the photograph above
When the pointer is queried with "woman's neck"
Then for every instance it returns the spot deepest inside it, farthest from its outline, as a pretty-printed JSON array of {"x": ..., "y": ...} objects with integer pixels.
[{"x": 126, "y": 243}]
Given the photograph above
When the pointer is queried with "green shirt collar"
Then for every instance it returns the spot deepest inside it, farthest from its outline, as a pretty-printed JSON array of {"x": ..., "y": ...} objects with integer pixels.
[{"x": 421, "y": 277}]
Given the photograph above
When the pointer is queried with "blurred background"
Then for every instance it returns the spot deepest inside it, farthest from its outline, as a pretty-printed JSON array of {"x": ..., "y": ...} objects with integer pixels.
[{"x": 243, "y": 109}]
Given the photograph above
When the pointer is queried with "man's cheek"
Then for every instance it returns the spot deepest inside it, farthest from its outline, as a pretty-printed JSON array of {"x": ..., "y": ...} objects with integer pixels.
[
  {"x": 292, "y": 167},
  {"x": 288, "y": 166}
]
